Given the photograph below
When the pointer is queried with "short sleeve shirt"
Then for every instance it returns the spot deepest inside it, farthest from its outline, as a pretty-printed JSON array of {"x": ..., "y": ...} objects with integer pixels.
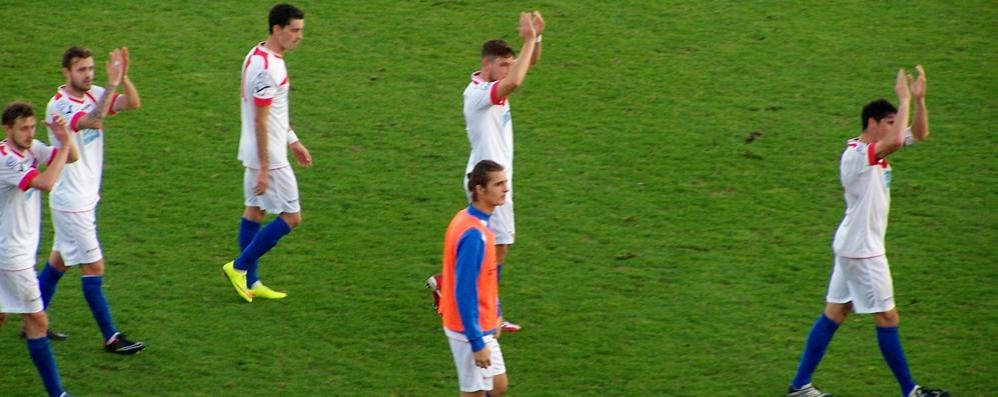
[
  {"x": 78, "y": 186},
  {"x": 20, "y": 204},
  {"x": 265, "y": 82},
  {"x": 489, "y": 125}
]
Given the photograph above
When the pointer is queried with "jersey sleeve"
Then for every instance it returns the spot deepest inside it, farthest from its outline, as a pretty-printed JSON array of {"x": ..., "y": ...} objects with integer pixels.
[
  {"x": 470, "y": 254},
  {"x": 262, "y": 84},
  {"x": 856, "y": 159},
  {"x": 481, "y": 95},
  {"x": 44, "y": 153},
  {"x": 14, "y": 173}
]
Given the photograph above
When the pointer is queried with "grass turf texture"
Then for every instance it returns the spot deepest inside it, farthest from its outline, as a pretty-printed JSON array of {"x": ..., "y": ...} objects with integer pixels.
[{"x": 658, "y": 253}]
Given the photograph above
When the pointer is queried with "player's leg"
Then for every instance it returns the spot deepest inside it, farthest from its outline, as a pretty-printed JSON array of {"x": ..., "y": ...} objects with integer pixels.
[
  {"x": 503, "y": 224},
  {"x": 48, "y": 278},
  {"x": 35, "y": 326},
  {"x": 92, "y": 281},
  {"x": 837, "y": 307},
  {"x": 19, "y": 294},
  {"x": 281, "y": 197},
  {"x": 248, "y": 228}
]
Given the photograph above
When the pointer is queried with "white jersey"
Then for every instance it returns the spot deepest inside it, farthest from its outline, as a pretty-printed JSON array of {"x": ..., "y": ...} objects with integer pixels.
[
  {"x": 78, "y": 187},
  {"x": 489, "y": 126},
  {"x": 20, "y": 205},
  {"x": 265, "y": 83},
  {"x": 866, "y": 183}
]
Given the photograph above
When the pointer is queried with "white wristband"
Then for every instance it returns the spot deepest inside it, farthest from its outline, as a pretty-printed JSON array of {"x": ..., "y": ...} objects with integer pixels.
[{"x": 539, "y": 37}]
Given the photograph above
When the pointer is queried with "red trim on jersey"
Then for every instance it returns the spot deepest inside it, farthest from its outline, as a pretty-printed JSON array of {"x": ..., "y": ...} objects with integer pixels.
[
  {"x": 76, "y": 119},
  {"x": 260, "y": 52},
  {"x": 3, "y": 144},
  {"x": 114, "y": 100},
  {"x": 871, "y": 153},
  {"x": 287, "y": 79},
  {"x": 52, "y": 156},
  {"x": 26, "y": 181},
  {"x": 74, "y": 99},
  {"x": 12, "y": 150},
  {"x": 90, "y": 96},
  {"x": 58, "y": 96},
  {"x": 492, "y": 95},
  {"x": 261, "y": 102}
]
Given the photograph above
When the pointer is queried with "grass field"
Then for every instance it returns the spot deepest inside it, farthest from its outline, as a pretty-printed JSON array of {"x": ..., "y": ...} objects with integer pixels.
[{"x": 658, "y": 253}]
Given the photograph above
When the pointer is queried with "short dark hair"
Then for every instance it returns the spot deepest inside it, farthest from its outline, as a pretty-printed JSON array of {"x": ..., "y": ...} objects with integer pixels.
[
  {"x": 73, "y": 53},
  {"x": 282, "y": 14},
  {"x": 877, "y": 109},
  {"x": 16, "y": 110},
  {"x": 497, "y": 49},
  {"x": 480, "y": 175}
]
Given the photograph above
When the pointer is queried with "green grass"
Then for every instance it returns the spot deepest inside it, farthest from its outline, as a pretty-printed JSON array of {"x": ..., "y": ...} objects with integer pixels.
[{"x": 658, "y": 253}]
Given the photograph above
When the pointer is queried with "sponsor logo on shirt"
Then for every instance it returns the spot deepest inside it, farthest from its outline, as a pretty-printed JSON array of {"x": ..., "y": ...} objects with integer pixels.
[{"x": 89, "y": 135}]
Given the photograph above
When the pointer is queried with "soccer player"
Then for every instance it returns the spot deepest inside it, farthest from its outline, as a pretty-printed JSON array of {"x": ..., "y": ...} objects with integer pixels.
[
  {"x": 861, "y": 279},
  {"x": 490, "y": 126},
  {"x": 269, "y": 183},
  {"x": 20, "y": 226},
  {"x": 469, "y": 303},
  {"x": 75, "y": 196}
]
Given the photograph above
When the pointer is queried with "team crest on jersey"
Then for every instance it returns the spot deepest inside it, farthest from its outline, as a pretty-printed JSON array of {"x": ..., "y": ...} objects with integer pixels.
[
  {"x": 11, "y": 163},
  {"x": 89, "y": 135}
]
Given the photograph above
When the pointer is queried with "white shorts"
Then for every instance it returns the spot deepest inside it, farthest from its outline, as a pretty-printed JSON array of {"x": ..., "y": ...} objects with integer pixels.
[
  {"x": 281, "y": 195},
  {"x": 470, "y": 377},
  {"x": 19, "y": 291},
  {"x": 502, "y": 222},
  {"x": 866, "y": 283},
  {"x": 76, "y": 236}
]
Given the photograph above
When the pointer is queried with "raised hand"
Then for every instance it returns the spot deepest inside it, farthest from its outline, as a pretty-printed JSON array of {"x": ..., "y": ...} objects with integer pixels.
[
  {"x": 526, "y": 28},
  {"x": 901, "y": 86},
  {"x": 538, "y": 22},
  {"x": 114, "y": 68},
  {"x": 125, "y": 61},
  {"x": 917, "y": 85},
  {"x": 58, "y": 126}
]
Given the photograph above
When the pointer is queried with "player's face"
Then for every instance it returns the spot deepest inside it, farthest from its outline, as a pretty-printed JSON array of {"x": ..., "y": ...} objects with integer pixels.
[
  {"x": 289, "y": 36},
  {"x": 497, "y": 68},
  {"x": 22, "y": 133},
  {"x": 80, "y": 74},
  {"x": 494, "y": 192}
]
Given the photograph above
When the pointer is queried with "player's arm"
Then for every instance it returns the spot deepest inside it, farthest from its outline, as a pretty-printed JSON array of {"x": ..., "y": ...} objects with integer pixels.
[
  {"x": 518, "y": 71},
  {"x": 470, "y": 254},
  {"x": 46, "y": 180},
  {"x": 301, "y": 153},
  {"x": 895, "y": 139},
  {"x": 260, "y": 127},
  {"x": 920, "y": 125},
  {"x": 95, "y": 119},
  {"x": 538, "y": 22},
  {"x": 130, "y": 99}
]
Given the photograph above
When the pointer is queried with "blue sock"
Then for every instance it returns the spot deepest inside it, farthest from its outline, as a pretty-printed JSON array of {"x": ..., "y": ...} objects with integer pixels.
[
  {"x": 817, "y": 341},
  {"x": 266, "y": 239},
  {"x": 42, "y": 356},
  {"x": 48, "y": 279},
  {"x": 890, "y": 347},
  {"x": 247, "y": 231},
  {"x": 94, "y": 294}
]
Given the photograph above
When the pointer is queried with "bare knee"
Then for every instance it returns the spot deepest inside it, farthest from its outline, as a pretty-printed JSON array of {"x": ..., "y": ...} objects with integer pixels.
[
  {"x": 55, "y": 260},
  {"x": 837, "y": 312},
  {"x": 254, "y": 214},
  {"x": 93, "y": 269},
  {"x": 499, "y": 385},
  {"x": 501, "y": 251},
  {"x": 890, "y": 318},
  {"x": 35, "y": 324},
  {"x": 292, "y": 219}
]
